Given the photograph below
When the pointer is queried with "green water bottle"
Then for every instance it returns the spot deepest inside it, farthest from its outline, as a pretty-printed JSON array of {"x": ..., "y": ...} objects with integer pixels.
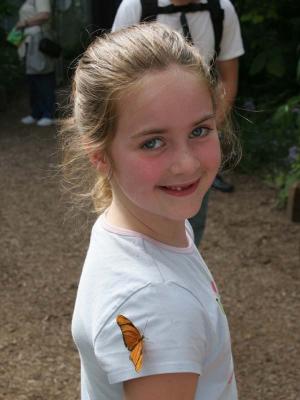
[{"x": 15, "y": 37}]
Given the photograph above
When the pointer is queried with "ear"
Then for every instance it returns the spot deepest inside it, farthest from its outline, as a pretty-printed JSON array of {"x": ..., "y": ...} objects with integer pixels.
[{"x": 100, "y": 162}]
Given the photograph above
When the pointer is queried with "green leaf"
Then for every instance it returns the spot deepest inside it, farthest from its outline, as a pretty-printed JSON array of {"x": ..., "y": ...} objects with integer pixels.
[
  {"x": 280, "y": 113},
  {"x": 298, "y": 121},
  {"x": 272, "y": 14},
  {"x": 252, "y": 17},
  {"x": 298, "y": 71},
  {"x": 275, "y": 64},
  {"x": 258, "y": 19},
  {"x": 258, "y": 63}
]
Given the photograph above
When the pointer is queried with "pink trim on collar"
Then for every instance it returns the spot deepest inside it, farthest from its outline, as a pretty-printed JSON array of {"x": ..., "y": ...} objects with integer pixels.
[{"x": 127, "y": 232}]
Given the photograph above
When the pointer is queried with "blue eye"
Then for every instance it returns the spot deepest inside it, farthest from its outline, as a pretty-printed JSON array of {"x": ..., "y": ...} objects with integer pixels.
[
  {"x": 200, "y": 132},
  {"x": 152, "y": 144}
]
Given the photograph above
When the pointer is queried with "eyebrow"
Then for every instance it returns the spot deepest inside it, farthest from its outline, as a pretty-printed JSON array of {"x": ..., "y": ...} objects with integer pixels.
[{"x": 153, "y": 131}]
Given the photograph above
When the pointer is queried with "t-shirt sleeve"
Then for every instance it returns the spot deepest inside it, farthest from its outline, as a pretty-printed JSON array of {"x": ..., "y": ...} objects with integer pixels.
[
  {"x": 174, "y": 326},
  {"x": 129, "y": 13},
  {"x": 231, "y": 43},
  {"x": 43, "y": 6}
]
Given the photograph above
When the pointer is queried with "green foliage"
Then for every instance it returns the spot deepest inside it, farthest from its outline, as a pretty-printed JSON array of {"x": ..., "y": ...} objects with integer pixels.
[
  {"x": 289, "y": 115},
  {"x": 268, "y": 137},
  {"x": 298, "y": 71},
  {"x": 6, "y": 9},
  {"x": 271, "y": 32},
  {"x": 10, "y": 68},
  {"x": 285, "y": 180},
  {"x": 270, "y": 77}
]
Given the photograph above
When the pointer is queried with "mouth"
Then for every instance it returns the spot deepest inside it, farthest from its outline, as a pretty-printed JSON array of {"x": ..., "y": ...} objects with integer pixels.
[{"x": 180, "y": 190}]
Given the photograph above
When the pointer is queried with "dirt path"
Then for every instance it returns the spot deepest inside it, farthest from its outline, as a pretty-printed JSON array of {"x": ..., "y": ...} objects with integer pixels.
[{"x": 251, "y": 248}]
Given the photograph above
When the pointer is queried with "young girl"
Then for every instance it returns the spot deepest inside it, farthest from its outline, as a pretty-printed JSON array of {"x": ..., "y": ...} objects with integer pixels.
[{"x": 148, "y": 320}]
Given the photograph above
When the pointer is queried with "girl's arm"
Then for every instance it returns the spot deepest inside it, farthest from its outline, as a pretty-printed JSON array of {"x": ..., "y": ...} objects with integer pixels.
[
  {"x": 39, "y": 19},
  {"x": 179, "y": 386}
]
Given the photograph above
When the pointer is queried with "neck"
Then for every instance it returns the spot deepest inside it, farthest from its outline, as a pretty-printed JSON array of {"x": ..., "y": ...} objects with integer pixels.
[{"x": 154, "y": 226}]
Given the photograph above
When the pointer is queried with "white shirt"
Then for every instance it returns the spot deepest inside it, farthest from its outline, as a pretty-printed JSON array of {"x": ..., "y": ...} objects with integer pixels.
[
  {"x": 30, "y": 8},
  {"x": 200, "y": 25},
  {"x": 169, "y": 295}
]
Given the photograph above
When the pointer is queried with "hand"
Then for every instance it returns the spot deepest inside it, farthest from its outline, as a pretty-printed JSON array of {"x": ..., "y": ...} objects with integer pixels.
[{"x": 21, "y": 24}]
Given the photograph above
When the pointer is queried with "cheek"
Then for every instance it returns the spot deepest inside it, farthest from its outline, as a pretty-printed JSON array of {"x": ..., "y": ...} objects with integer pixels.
[
  {"x": 138, "y": 172},
  {"x": 210, "y": 155}
]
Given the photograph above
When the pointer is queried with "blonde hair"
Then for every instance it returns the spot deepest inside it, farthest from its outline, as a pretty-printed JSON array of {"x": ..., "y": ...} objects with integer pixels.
[{"x": 111, "y": 65}]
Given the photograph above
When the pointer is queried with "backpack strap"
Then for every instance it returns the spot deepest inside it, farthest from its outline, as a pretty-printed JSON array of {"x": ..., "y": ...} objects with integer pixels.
[
  {"x": 217, "y": 19},
  {"x": 150, "y": 10}
]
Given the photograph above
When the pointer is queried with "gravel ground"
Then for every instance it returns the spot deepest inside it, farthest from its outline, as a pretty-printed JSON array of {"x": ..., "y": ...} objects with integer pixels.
[{"x": 250, "y": 246}]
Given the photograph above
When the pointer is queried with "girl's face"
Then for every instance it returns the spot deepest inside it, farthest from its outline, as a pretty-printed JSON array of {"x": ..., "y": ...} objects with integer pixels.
[{"x": 166, "y": 149}]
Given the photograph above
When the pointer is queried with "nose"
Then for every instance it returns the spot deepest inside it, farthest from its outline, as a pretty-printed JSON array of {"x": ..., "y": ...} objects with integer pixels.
[{"x": 184, "y": 161}]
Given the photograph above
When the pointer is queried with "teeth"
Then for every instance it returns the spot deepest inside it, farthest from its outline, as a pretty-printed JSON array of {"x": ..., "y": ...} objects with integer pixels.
[{"x": 178, "y": 188}]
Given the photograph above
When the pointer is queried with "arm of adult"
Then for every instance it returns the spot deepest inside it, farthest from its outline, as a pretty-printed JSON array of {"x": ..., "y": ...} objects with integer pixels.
[
  {"x": 39, "y": 19},
  {"x": 227, "y": 63},
  {"x": 228, "y": 71},
  {"x": 179, "y": 386}
]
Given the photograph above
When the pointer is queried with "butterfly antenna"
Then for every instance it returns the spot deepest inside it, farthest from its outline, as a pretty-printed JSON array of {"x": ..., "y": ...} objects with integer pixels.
[{"x": 144, "y": 331}]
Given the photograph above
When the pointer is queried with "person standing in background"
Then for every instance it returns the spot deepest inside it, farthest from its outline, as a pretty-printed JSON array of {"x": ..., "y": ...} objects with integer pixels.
[
  {"x": 34, "y": 18},
  {"x": 198, "y": 27}
]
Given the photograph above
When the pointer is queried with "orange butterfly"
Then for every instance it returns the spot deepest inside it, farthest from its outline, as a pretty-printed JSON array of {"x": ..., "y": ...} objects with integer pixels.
[{"x": 133, "y": 340}]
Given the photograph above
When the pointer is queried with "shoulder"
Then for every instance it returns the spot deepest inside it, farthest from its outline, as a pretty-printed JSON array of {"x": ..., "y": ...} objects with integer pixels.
[
  {"x": 227, "y": 5},
  {"x": 173, "y": 324},
  {"x": 229, "y": 10},
  {"x": 120, "y": 259},
  {"x": 129, "y": 13},
  {"x": 159, "y": 301},
  {"x": 116, "y": 267},
  {"x": 231, "y": 44},
  {"x": 43, "y": 5},
  {"x": 121, "y": 268},
  {"x": 117, "y": 247}
]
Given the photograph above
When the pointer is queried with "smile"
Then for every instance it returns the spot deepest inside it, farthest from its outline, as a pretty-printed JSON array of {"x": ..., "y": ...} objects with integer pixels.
[{"x": 180, "y": 190}]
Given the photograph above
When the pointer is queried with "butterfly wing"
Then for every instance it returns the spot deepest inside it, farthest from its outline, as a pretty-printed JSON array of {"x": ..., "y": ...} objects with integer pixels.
[
  {"x": 131, "y": 334},
  {"x": 136, "y": 356},
  {"x": 133, "y": 340}
]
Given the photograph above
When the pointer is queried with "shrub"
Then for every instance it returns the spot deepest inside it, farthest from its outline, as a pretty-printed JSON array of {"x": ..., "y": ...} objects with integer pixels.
[{"x": 10, "y": 68}]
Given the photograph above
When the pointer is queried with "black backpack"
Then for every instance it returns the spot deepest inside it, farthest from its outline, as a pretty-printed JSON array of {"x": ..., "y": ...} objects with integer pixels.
[{"x": 150, "y": 10}]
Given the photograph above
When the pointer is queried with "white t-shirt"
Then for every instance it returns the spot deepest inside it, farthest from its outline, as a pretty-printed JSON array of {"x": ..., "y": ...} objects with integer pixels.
[
  {"x": 200, "y": 25},
  {"x": 169, "y": 295}
]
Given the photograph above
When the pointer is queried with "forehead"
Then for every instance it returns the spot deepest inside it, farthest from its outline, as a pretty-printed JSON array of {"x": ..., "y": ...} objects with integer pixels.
[
  {"x": 156, "y": 82},
  {"x": 161, "y": 96}
]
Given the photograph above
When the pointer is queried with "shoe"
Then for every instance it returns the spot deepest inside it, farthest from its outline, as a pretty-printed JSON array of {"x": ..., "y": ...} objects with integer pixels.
[
  {"x": 45, "y": 122},
  {"x": 220, "y": 184},
  {"x": 29, "y": 120}
]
